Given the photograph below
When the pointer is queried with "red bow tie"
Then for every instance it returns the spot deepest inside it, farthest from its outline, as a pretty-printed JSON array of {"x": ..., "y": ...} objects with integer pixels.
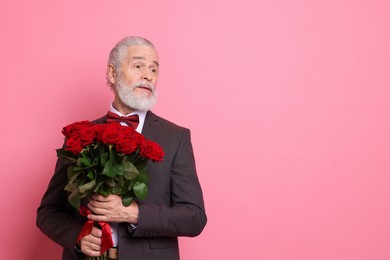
[{"x": 132, "y": 120}]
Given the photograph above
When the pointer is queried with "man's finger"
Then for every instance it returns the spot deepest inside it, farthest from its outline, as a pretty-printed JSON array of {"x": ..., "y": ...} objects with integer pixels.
[
  {"x": 96, "y": 232},
  {"x": 98, "y": 218}
]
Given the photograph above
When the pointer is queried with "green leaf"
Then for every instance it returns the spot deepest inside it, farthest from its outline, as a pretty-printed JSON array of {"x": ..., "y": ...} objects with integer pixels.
[
  {"x": 110, "y": 182},
  {"x": 118, "y": 169},
  {"x": 112, "y": 169},
  {"x": 104, "y": 193},
  {"x": 140, "y": 190},
  {"x": 76, "y": 168},
  {"x": 130, "y": 171},
  {"x": 85, "y": 161},
  {"x": 98, "y": 187},
  {"x": 107, "y": 170},
  {"x": 74, "y": 199},
  {"x": 91, "y": 175},
  {"x": 71, "y": 187},
  {"x": 117, "y": 190},
  {"x": 87, "y": 194},
  {"x": 142, "y": 165},
  {"x": 72, "y": 175},
  {"x": 87, "y": 186},
  {"x": 142, "y": 177},
  {"x": 130, "y": 186},
  {"x": 119, "y": 180},
  {"x": 103, "y": 158},
  {"x": 127, "y": 200}
]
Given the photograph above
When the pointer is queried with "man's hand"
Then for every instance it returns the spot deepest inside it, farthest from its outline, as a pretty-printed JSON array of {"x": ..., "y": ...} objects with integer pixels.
[
  {"x": 111, "y": 209},
  {"x": 90, "y": 244}
]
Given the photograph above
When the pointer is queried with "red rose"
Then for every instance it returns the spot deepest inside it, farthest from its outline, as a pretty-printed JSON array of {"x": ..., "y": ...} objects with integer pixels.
[
  {"x": 152, "y": 151},
  {"x": 126, "y": 146},
  {"x": 112, "y": 134},
  {"x": 86, "y": 134},
  {"x": 137, "y": 138},
  {"x": 99, "y": 129},
  {"x": 128, "y": 132},
  {"x": 74, "y": 145},
  {"x": 70, "y": 129}
]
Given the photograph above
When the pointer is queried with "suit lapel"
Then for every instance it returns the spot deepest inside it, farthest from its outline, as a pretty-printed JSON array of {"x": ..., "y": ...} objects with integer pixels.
[{"x": 150, "y": 126}]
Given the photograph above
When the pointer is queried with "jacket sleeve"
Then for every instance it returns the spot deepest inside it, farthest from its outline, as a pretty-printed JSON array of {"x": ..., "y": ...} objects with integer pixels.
[
  {"x": 184, "y": 214},
  {"x": 55, "y": 217}
]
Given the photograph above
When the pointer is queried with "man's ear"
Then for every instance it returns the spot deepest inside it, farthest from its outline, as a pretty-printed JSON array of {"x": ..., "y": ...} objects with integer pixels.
[{"x": 111, "y": 75}]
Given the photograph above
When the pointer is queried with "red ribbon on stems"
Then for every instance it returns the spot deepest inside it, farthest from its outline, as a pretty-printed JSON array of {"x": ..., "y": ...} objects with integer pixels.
[{"x": 87, "y": 229}]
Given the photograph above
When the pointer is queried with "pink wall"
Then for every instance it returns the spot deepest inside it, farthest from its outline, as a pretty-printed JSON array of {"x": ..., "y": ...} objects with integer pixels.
[{"x": 288, "y": 102}]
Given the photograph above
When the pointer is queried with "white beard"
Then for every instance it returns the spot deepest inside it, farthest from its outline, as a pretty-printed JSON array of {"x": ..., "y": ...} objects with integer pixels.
[{"x": 138, "y": 101}]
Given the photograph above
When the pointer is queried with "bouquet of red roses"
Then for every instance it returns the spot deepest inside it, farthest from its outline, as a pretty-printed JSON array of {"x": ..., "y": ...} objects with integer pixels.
[{"x": 106, "y": 159}]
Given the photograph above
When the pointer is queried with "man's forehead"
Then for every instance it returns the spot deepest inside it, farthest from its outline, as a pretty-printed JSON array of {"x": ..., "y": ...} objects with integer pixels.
[{"x": 142, "y": 53}]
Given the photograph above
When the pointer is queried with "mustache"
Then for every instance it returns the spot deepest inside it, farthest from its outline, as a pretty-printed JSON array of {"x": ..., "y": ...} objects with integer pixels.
[{"x": 147, "y": 84}]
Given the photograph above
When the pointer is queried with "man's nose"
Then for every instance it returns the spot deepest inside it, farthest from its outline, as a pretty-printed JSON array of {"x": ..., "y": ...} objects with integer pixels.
[{"x": 147, "y": 75}]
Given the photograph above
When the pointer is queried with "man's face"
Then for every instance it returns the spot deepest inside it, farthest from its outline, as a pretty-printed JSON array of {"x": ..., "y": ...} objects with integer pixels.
[
  {"x": 141, "y": 65},
  {"x": 137, "y": 77}
]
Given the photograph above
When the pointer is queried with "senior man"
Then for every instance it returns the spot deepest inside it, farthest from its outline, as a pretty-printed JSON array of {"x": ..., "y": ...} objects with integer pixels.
[{"x": 147, "y": 229}]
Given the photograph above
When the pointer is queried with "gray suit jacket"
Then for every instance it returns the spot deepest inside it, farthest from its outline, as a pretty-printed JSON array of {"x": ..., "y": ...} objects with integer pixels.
[{"x": 174, "y": 206}]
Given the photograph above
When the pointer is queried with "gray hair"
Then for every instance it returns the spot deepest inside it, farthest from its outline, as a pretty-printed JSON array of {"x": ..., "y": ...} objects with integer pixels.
[{"x": 119, "y": 52}]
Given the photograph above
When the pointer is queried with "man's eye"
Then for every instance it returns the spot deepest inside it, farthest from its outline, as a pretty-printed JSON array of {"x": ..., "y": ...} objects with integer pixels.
[{"x": 138, "y": 66}]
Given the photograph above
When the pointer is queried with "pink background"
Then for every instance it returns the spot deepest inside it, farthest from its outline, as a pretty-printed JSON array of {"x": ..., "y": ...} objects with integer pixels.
[{"x": 288, "y": 103}]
